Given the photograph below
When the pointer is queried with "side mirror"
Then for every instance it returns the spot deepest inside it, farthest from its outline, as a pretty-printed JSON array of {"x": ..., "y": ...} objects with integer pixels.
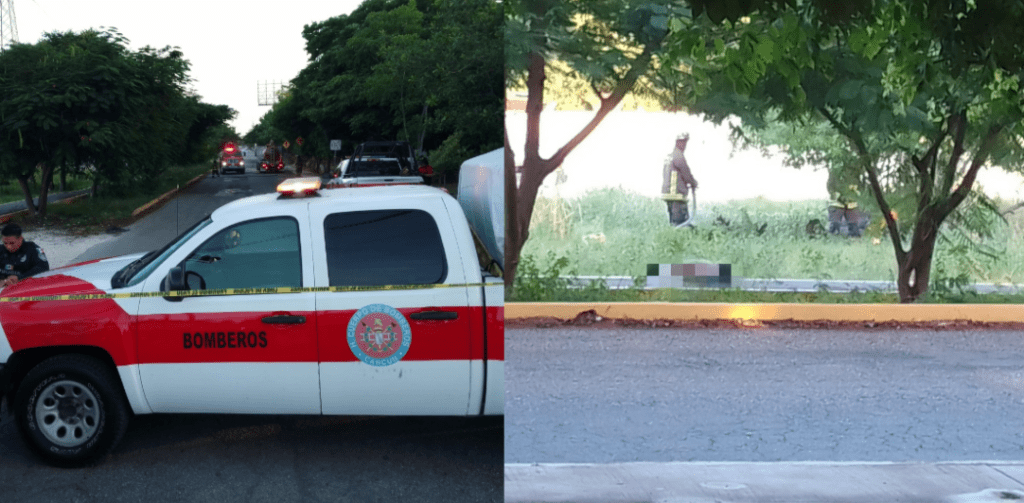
[
  {"x": 178, "y": 280},
  {"x": 175, "y": 281}
]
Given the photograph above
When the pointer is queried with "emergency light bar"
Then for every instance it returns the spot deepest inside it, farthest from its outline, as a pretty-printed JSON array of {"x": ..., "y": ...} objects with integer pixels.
[{"x": 299, "y": 187}]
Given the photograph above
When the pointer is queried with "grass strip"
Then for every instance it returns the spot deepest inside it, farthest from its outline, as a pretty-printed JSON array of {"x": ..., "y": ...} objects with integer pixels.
[{"x": 93, "y": 215}]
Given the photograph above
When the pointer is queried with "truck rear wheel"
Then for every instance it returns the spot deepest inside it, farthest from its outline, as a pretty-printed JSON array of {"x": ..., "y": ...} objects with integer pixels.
[{"x": 71, "y": 410}]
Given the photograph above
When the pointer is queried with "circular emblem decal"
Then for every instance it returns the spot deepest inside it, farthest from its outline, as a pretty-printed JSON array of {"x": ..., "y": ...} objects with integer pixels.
[{"x": 379, "y": 335}]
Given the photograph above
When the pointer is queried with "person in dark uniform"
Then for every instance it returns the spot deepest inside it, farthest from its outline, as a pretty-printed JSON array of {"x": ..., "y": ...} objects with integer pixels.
[
  {"x": 19, "y": 259},
  {"x": 676, "y": 183}
]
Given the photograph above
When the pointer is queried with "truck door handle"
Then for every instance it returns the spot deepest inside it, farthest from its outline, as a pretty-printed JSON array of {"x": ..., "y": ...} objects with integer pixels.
[
  {"x": 284, "y": 318},
  {"x": 435, "y": 315}
]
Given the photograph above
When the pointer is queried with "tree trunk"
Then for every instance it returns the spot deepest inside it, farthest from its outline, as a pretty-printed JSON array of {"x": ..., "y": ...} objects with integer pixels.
[
  {"x": 535, "y": 168},
  {"x": 23, "y": 181},
  {"x": 46, "y": 179},
  {"x": 915, "y": 266},
  {"x": 513, "y": 243},
  {"x": 423, "y": 133}
]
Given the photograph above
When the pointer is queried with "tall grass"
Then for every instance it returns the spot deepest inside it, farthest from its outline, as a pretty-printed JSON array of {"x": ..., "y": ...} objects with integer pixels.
[{"x": 611, "y": 232}]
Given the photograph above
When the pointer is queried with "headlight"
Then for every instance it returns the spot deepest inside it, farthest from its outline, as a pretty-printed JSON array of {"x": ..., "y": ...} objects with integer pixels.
[{"x": 224, "y": 163}]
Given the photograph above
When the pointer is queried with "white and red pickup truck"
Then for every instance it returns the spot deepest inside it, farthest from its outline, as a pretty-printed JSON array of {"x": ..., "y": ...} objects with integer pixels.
[{"x": 312, "y": 301}]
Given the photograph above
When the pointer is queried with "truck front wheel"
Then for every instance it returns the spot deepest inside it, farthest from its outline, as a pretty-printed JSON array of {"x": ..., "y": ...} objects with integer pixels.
[{"x": 71, "y": 410}]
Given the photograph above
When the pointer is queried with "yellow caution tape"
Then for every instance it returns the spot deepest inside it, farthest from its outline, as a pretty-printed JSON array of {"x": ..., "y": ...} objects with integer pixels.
[{"x": 241, "y": 291}]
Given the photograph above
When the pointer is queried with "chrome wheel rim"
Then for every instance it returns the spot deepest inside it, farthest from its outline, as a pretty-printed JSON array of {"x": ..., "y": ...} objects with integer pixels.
[{"x": 68, "y": 413}]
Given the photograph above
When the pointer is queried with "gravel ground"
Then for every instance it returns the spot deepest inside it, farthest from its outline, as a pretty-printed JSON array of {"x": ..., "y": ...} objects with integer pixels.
[{"x": 62, "y": 248}]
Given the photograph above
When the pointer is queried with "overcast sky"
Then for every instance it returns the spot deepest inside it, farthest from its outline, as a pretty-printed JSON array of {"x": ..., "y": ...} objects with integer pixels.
[{"x": 231, "y": 44}]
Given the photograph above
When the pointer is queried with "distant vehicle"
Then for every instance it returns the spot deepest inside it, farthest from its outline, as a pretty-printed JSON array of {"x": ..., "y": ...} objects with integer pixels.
[
  {"x": 380, "y": 163},
  {"x": 272, "y": 161},
  {"x": 231, "y": 159}
]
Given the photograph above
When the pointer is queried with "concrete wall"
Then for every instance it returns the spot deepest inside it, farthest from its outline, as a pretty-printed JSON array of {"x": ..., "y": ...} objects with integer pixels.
[{"x": 628, "y": 150}]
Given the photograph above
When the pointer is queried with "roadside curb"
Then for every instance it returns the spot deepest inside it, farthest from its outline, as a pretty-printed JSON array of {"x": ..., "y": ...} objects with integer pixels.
[
  {"x": 696, "y": 312},
  {"x": 10, "y": 216},
  {"x": 163, "y": 198},
  {"x": 951, "y": 482}
]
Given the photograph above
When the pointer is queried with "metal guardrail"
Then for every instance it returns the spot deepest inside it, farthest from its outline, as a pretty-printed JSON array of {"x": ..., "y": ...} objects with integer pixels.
[{"x": 789, "y": 285}]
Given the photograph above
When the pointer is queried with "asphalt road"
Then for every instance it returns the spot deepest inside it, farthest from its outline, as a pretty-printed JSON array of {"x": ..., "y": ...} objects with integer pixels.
[
  {"x": 242, "y": 459},
  {"x": 238, "y": 458},
  {"x": 190, "y": 206},
  {"x": 584, "y": 395}
]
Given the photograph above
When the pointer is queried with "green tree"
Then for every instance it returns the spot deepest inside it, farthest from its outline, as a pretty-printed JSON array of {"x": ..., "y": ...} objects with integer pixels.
[
  {"x": 924, "y": 94},
  {"x": 612, "y": 44},
  {"x": 468, "y": 97},
  {"x": 77, "y": 100},
  {"x": 264, "y": 131},
  {"x": 420, "y": 71},
  {"x": 206, "y": 125}
]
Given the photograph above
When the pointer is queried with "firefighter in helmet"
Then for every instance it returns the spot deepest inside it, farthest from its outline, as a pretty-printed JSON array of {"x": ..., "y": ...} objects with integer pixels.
[{"x": 677, "y": 181}]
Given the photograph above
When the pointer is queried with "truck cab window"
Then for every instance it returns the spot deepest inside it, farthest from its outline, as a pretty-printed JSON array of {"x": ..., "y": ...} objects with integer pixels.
[
  {"x": 384, "y": 247},
  {"x": 255, "y": 254}
]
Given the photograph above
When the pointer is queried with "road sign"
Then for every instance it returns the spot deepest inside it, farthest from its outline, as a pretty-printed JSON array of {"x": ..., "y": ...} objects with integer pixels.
[
  {"x": 286, "y": 144},
  {"x": 335, "y": 144},
  {"x": 298, "y": 141}
]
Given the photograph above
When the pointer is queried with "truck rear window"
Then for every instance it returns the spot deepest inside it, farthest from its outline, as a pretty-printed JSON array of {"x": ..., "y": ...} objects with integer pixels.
[
  {"x": 384, "y": 247},
  {"x": 373, "y": 168}
]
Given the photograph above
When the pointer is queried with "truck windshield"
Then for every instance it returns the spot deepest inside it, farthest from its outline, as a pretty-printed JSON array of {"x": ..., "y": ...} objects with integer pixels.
[{"x": 139, "y": 269}]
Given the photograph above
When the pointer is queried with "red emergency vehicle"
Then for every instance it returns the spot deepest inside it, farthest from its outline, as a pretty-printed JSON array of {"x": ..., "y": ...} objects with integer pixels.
[
  {"x": 231, "y": 159},
  {"x": 358, "y": 301}
]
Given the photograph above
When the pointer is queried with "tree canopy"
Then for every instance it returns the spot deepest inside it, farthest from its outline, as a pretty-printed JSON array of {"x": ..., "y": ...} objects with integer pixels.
[
  {"x": 421, "y": 71},
  {"x": 923, "y": 93},
  {"x": 617, "y": 46},
  {"x": 83, "y": 101}
]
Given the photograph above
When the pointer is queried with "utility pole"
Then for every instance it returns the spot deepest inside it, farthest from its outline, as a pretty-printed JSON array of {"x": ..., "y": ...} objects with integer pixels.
[{"x": 8, "y": 25}]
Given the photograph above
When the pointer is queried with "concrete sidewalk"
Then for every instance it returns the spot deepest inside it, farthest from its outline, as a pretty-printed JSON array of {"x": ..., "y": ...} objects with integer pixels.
[{"x": 782, "y": 482}]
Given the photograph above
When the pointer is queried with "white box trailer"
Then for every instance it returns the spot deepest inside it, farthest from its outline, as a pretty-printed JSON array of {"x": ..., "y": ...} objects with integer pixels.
[{"x": 482, "y": 196}]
